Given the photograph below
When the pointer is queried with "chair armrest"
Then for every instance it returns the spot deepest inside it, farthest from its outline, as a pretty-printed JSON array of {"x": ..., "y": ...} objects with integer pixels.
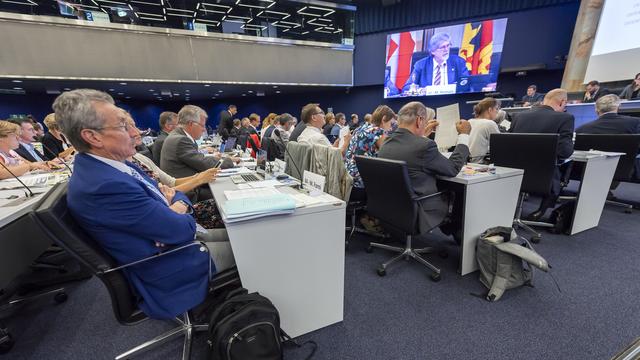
[
  {"x": 420, "y": 198},
  {"x": 195, "y": 243}
]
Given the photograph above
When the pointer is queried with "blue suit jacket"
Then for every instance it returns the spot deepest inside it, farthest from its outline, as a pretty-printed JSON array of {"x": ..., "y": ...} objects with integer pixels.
[
  {"x": 423, "y": 71},
  {"x": 126, "y": 218}
]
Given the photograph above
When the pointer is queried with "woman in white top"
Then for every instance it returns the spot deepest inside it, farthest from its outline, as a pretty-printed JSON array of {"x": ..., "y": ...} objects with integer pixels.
[{"x": 482, "y": 127}]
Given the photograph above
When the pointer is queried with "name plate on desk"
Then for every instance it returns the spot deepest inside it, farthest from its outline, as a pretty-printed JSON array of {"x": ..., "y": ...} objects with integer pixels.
[{"x": 313, "y": 181}]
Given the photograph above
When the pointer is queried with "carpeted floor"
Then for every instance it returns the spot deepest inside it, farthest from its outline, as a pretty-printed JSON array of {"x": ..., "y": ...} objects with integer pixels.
[{"x": 406, "y": 316}]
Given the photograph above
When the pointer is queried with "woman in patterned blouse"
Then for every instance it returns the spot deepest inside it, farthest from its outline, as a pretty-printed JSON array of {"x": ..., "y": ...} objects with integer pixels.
[{"x": 367, "y": 140}]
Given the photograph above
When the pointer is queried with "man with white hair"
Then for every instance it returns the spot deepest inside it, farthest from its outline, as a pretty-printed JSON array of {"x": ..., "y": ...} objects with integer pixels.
[
  {"x": 609, "y": 121},
  {"x": 180, "y": 156},
  {"x": 130, "y": 215},
  {"x": 440, "y": 67},
  {"x": 410, "y": 143}
]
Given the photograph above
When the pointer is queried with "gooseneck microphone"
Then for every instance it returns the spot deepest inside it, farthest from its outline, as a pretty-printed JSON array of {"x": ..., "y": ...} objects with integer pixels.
[
  {"x": 279, "y": 135},
  {"x": 58, "y": 157},
  {"x": 30, "y": 194}
]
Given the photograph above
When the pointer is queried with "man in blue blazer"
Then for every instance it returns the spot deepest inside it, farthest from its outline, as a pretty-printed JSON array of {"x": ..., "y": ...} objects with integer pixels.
[
  {"x": 440, "y": 67},
  {"x": 129, "y": 214}
]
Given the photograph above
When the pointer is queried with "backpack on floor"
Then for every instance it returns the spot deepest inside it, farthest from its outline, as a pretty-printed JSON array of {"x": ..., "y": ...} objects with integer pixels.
[
  {"x": 247, "y": 327},
  {"x": 504, "y": 262}
]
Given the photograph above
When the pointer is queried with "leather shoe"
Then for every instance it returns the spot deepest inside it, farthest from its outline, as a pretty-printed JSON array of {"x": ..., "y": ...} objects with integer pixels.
[{"x": 536, "y": 215}]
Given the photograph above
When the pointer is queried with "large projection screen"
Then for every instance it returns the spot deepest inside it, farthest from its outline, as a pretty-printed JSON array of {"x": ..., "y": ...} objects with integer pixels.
[{"x": 616, "y": 49}]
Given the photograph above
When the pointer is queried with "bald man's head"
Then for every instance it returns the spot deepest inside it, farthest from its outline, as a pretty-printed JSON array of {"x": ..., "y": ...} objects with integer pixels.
[{"x": 557, "y": 99}]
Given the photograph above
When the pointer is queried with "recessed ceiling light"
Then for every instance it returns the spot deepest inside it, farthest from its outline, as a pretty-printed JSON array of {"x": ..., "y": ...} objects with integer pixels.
[
  {"x": 250, "y": 91},
  {"x": 275, "y": 86},
  {"x": 277, "y": 91},
  {"x": 16, "y": 81},
  {"x": 17, "y": 88},
  {"x": 66, "y": 89},
  {"x": 128, "y": 97},
  {"x": 156, "y": 94},
  {"x": 176, "y": 94},
  {"x": 220, "y": 91},
  {"x": 120, "y": 93},
  {"x": 112, "y": 89},
  {"x": 207, "y": 85},
  {"x": 123, "y": 83},
  {"x": 151, "y": 90},
  {"x": 187, "y": 90},
  {"x": 244, "y": 94}
]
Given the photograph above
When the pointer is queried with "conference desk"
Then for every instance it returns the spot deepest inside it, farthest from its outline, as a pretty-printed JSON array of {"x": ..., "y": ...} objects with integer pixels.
[
  {"x": 586, "y": 112},
  {"x": 595, "y": 181},
  {"x": 295, "y": 260},
  {"x": 488, "y": 200}
]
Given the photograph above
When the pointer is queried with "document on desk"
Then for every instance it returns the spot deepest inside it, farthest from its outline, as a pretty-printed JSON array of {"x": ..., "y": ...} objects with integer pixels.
[
  {"x": 33, "y": 180},
  {"x": 255, "y": 207},
  {"x": 233, "y": 171},
  {"x": 446, "y": 133},
  {"x": 249, "y": 193}
]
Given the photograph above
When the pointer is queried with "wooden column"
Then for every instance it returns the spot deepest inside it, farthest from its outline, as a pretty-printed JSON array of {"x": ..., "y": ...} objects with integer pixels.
[{"x": 584, "y": 35}]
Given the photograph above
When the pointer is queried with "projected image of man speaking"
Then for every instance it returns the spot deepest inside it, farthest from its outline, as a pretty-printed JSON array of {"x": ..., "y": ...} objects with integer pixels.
[{"x": 440, "y": 67}]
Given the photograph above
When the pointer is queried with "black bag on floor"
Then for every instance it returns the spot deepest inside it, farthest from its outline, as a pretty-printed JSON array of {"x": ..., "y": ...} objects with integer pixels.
[
  {"x": 247, "y": 327},
  {"x": 561, "y": 218}
]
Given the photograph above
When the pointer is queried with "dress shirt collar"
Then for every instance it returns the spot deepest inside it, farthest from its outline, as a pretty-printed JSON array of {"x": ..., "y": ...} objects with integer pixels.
[
  {"x": 435, "y": 64},
  {"x": 189, "y": 136},
  {"x": 113, "y": 163}
]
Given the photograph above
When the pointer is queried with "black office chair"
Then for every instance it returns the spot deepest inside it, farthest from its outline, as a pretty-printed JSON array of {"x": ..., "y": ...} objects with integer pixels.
[
  {"x": 536, "y": 154},
  {"x": 622, "y": 143},
  {"x": 55, "y": 220},
  {"x": 391, "y": 199},
  {"x": 355, "y": 207}
]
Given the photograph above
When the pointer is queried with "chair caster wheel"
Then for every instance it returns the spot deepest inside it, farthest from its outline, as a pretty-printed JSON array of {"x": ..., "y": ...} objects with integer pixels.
[
  {"x": 381, "y": 272},
  {"x": 535, "y": 239},
  {"x": 436, "y": 277},
  {"x": 60, "y": 297},
  {"x": 6, "y": 342},
  {"x": 628, "y": 211},
  {"x": 443, "y": 254},
  {"x": 369, "y": 249}
]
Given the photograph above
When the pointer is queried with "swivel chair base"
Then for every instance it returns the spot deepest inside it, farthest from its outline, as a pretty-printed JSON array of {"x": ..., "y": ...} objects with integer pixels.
[
  {"x": 407, "y": 252},
  {"x": 354, "y": 228},
  {"x": 527, "y": 225},
  {"x": 185, "y": 328}
]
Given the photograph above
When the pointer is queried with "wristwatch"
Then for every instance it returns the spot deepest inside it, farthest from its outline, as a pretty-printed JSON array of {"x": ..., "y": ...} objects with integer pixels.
[{"x": 187, "y": 205}]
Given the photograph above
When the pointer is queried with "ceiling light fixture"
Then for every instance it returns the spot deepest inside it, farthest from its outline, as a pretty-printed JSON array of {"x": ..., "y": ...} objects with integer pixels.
[
  {"x": 325, "y": 11},
  {"x": 28, "y": 3},
  {"x": 16, "y": 81},
  {"x": 123, "y": 83},
  {"x": 145, "y": 3},
  {"x": 270, "y": 12},
  {"x": 153, "y": 18},
  {"x": 268, "y": 5},
  {"x": 295, "y": 25}
]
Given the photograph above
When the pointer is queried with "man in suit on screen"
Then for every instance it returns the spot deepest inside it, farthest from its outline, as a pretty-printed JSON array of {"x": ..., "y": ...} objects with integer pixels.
[{"x": 440, "y": 67}]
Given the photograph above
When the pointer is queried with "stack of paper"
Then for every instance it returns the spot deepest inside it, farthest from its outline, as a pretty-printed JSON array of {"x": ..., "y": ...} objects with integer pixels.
[{"x": 241, "y": 209}]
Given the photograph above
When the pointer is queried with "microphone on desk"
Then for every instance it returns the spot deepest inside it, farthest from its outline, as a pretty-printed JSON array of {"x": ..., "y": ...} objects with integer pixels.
[
  {"x": 30, "y": 194},
  {"x": 279, "y": 135},
  {"x": 59, "y": 158}
]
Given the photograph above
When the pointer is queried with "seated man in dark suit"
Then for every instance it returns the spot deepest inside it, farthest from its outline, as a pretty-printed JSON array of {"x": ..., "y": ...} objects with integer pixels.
[
  {"x": 548, "y": 118},
  {"x": 594, "y": 92},
  {"x": 180, "y": 156},
  {"x": 27, "y": 136},
  {"x": 532, "y": 97},
  {"x": 440, "y": 67},
  {"x": 167, "y": 121},
  {"x": 610, "y": 122},
  {"x": 410, "y": 143},
  {"x": 130, "y": 215}
]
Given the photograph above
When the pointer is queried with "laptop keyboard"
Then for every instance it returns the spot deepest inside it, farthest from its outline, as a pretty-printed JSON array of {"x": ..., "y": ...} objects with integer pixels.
[{"x": 243, "y": 178}]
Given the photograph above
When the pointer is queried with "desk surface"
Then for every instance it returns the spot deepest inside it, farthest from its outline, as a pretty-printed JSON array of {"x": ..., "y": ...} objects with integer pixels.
[
  {"x": 501, "y": 172},
  {"x": 11, "y": 213},
  {"x": 223, "y": 184}
]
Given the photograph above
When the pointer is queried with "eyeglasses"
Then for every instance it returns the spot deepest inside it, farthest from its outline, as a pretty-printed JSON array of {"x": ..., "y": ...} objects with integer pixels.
[
  {"x": 123, "y": 125},
  {"x": 197, "y": 123},
  {"x": 319, "y": 113},
  {"x": 444, "y": 46}
]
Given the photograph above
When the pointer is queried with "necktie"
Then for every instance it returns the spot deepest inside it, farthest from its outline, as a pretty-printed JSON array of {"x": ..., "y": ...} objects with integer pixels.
[
  {"x": 438, "y": 76},
  {"x": 150, "y": 186}
]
